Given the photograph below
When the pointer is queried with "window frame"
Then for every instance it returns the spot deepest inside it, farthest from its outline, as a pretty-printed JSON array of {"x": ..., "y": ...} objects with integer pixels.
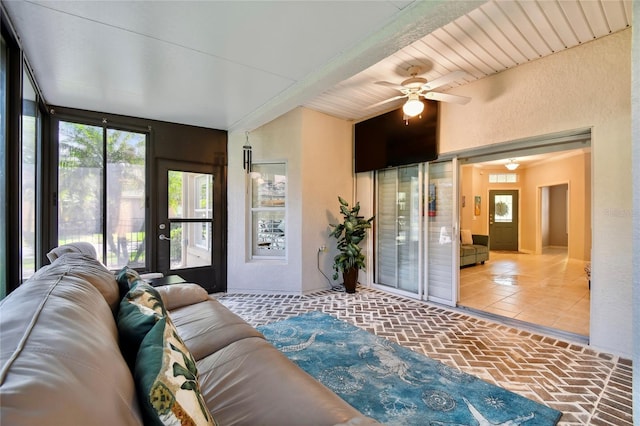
[
  {"x": 503, "y": 177},
  {"x": 253, "y": 210},
  {"x": 15, "y": 67},
  {"x": 107, "y": 122}
]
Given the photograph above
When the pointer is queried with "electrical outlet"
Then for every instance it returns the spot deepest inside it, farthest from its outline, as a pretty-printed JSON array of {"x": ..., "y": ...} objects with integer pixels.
[{"x": 322, "y": 248}]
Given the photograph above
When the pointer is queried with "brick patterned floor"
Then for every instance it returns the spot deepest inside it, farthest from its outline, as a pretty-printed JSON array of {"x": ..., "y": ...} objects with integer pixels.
[{"x": 588, "y": 387}]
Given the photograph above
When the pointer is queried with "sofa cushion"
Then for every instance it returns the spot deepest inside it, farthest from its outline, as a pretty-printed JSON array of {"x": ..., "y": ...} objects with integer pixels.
[
  {"x": 93, "y": 271},
  {"x": 178, "y": 295},
  {"x": 60, "y": 360},
  {"x": 467, "y": 251},
  {"x": 139, "y": 311},
  {"x": 250, "y": 382},
  {"x": 77, "y": 247},
  {"x": 167, "y": 380},
  {"x": 465, "y": 237},
  {"x": 481, "y": 249},
  {"x": 208, "y": 326}
]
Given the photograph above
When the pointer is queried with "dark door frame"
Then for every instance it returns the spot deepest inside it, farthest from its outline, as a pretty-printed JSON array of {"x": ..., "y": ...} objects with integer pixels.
[{"x": 212, "y": 281}]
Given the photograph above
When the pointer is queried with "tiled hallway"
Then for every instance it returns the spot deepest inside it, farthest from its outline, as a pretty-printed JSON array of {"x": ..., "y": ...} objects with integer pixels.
[
  {"x": 590, "y": 388},
  {"x": 549, "y": 290}
]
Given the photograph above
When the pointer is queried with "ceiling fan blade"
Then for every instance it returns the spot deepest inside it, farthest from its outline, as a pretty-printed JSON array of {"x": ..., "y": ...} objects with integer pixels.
[
  {"x": 445, "y": 97},
  {"x": 444, "y": 80},
  {"x": 395, "y": 98},
  {"x": 389, "y": 84}
]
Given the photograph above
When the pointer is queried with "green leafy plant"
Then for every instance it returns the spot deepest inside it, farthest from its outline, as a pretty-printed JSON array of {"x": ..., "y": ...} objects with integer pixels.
[{"x": 349, "y": 233}]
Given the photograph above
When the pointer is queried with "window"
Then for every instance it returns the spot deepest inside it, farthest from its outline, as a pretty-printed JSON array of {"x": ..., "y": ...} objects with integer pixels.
[
  {"x": 191, "y": 217},
  {"x": 268, "y": 210},
  {"x": 503, "y": 177},
  {"x": 30, "y": 125},
  {"x": 503, "y": 208},
  {"x": 203, "y": 208},
  {"x": 3, "y": 159},
  {"x": 101, "y": 191}
]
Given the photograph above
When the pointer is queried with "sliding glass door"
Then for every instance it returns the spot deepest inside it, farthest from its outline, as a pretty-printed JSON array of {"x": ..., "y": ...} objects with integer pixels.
[
  {"x": 101, "y": 194},
  {"x": 398, "y": 228},
  {"x": 442, "y": 253},
  {"x": 416, "y": 245}
]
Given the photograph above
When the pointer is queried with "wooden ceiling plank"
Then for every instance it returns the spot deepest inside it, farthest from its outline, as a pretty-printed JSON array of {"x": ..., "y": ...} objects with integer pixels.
[
  {"x": 577, "y": 20},
  {"x": 467, "y": 49},
  {"x": 511, "y": 30},
  {"x": 595, "y": 16},
  {"x": 616, "y": 15},
  {"x": 558, "y": 21},
  {"x": 442, "y": 63},
  {"x": 526, "y": 27},
  {"x": 542, "y": 25},
  {"x": 481, "y": 38},
  {"x": 480, "y": 51},
  {"x": 498, "y": 37}
]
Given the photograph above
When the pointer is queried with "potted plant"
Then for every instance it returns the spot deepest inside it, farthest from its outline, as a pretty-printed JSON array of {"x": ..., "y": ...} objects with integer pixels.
[{"x": 349, "y": 233}]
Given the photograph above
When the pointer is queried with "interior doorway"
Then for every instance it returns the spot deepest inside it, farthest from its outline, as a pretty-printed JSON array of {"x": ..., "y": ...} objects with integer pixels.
[
  {"x": 554, "y": 216},
  {"x": 541, "y": 280}
]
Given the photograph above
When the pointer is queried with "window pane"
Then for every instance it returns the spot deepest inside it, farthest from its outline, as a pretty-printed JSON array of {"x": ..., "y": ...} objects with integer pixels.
[
  {"x": 503, "y": 178},
  {"x": 28, "y": 178},
  {"x": 80, "y": 190},
  {"x": 440, "y": 228},
  {"x": 268, "y": 213},
  {"x": 268, "y": 233},
  {"x": 398, "y": 228},
  {"x": 3, "y": 159},
  {"x": 125, "y": 199},
  {"x": 269, "y": 184},
  {"x": 190, "y": 245},
  {"x": 190, "y": 195},
  {"x": 504, "y": 208}
]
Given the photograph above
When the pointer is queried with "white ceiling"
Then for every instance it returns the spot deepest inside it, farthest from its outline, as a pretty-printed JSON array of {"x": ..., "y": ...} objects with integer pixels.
[{"x": 235, "y": 65}]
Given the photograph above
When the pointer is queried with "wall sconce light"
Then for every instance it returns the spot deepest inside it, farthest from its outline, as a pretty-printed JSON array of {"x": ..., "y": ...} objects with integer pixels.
[
  {"x": 512, "y": 165},
  {"x": 246, "y": 155}
]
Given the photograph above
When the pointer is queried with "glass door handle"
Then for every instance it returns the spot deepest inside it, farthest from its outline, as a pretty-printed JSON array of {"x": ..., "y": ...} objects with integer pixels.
[{"x": 164, "y": 237}]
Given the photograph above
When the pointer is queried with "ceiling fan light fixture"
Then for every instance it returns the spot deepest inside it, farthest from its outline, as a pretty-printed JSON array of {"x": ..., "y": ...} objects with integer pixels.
[
  {"x": 512, "y": 165},
  {"x": 413, "y": 106}
]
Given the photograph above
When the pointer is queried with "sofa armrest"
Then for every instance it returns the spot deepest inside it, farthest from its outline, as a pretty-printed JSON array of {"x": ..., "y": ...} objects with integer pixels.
[{"x": 482, "y": 240}]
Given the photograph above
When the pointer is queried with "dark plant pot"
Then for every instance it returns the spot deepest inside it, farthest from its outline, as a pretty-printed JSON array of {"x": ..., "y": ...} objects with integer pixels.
[{"x": 350, "y": 277}]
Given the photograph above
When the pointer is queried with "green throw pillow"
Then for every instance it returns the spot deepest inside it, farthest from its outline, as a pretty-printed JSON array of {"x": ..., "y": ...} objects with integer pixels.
[
  {"x": 140, "y": 309},
  {"x": 125, "y": 278},
  {"x": 167, "y": 380}
]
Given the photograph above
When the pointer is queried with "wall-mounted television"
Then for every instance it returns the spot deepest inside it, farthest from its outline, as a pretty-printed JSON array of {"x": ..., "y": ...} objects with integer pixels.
[{"x": 389, "y": 141}]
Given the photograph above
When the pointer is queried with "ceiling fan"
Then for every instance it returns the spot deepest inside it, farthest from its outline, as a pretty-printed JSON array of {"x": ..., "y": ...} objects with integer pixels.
[{"x": 414, "y": 87}]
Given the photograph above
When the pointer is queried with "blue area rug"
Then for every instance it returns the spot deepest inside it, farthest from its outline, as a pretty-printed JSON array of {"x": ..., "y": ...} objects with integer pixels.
[{"x": 395, "y": 385}]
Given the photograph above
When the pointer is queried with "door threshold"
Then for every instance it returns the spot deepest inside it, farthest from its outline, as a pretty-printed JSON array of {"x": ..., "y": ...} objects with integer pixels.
[{"x": 528, "y": 326}]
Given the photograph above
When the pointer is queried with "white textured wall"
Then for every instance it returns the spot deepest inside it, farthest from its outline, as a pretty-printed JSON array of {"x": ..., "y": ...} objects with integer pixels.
[
  {"x": 586, "y": 86},
  {"x": 278, "y": 140},
  {"x": 318, "y": 152},
  {"x": 327, "y": 171}
]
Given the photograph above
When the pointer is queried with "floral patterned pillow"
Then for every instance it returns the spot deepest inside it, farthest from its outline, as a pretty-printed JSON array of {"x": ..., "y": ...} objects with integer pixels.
[
  {"x": 167, "y": 380},
  {"x": 139, "y": 311},
  {"x": 125, "y": 278}
]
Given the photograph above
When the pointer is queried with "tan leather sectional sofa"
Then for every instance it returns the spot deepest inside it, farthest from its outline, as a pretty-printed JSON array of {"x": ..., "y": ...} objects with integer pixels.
[{"x": 61, "y": 363}]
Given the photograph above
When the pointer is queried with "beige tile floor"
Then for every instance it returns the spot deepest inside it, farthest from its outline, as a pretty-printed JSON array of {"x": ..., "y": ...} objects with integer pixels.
[{"x": 548, "y": 290}]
